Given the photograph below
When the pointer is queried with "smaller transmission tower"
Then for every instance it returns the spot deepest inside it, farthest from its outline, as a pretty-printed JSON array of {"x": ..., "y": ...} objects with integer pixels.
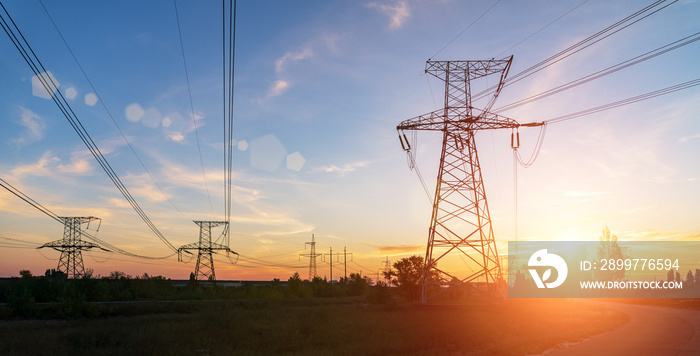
[
  {"x": 204, "y": 271},
  {"x": 312, "y": 257},
  {"x": 71, "y": 245},
  {"x": 386, "y": 269}
]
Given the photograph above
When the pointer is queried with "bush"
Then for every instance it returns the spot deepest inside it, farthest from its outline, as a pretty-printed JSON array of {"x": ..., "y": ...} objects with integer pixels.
[{"x": 380, "y": 294}]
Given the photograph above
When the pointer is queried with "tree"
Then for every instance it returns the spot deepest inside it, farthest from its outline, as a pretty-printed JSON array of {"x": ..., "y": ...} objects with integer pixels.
[
  {"x": 118, "y": 275},
  {"x": 406, "y": 275},
  {"x": 689, "y": 280},
  {"x": 678, "y": 277},
  {"x": 25, "y": 274},
  {"x": 357, "y": 285},
  {"x": 294, "y": 285},
  {"x": 53, "y": 274},
  {"x": 609, "y": 249}
]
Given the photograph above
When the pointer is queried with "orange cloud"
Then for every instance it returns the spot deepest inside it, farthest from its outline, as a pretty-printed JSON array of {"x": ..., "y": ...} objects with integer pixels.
[{"x": 401, "y": 249}]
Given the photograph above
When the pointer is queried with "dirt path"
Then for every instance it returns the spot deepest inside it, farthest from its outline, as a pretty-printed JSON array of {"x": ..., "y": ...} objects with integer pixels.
[{"x": 650, "y": 331}]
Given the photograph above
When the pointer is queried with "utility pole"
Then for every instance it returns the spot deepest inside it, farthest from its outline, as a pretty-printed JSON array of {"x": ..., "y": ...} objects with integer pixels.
[
  {"x": 312, "y": 257},
  {"x": 460, "y": 226},
  {"x": 345, "y": 260},
  {"x": 71, "y": 245},
  {"x": 337, "y": 257},
  {"x": 204, "y": 270}
]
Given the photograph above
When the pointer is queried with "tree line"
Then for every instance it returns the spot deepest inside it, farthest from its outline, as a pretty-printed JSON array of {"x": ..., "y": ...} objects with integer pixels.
[{"x": 54, "y": 295}]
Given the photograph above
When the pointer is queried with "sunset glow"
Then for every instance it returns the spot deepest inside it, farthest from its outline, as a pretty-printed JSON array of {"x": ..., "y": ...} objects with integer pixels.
[{"x": 319, "y": 89}]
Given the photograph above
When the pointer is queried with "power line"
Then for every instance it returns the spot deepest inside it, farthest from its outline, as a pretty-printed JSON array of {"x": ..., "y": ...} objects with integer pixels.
[
  {"x": 545, "y": 26},
  {"x": 604, "y": 72},
  {"x": 9, "y": 187},
  {"x": 109, "y": 113},
  {"x": 463, "y": 31},
  {"x": 47, "y": 81},
  {"x": 623, "y": 102},
  {"x": 194, "y": 119},
  {"x": 28, "y": 200},
  {"x": 579, "y": 46},
  {"x": 228, "y": 62},
  {"x": 9, "y": 242}
]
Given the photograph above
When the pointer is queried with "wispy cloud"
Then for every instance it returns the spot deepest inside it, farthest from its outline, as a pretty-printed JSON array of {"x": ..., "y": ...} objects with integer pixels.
[
  {"x": 118, "y": 203},
  {"x": 142, "y": 186},
  {"x": 580, "y": 194},
  {"x": 400, "y": 249},
  {"x": 688, "y": 138},
  {"x": 79, "y": 163},
  {"x": 271, "y": 221},
  {"x": 277, "y": 88},
  {"x": 184, "y": 177},
  {"x": 397, "y": 13},
  {"x": 41, "y": 168},
  {"x": 281, "y": 62},
  {"x": 350, "y": 167},
  {"x": 176, "y": 136},
  {"x": 282, "y": 84},
  {"x": 34, "y": 125}
]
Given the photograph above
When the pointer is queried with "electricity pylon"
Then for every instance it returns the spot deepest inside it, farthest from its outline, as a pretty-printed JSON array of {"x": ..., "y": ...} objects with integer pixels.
[
  {"x": 386, "y": 269},
  {"x": 460, "y": 224},
  {"x": 204, "y": 270},
  {"x": 312, "y": 257},
  {"x": 71, "y": 245}
]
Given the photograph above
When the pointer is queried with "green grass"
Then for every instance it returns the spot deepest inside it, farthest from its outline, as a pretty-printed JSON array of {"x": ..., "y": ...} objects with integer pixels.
[{"x": 343, "y": 326}]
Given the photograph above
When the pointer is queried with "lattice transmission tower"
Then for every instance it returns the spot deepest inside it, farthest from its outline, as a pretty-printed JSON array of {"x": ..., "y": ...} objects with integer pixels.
[
  {"x": 460, "y": 225},
  {"x": 71, "y": 245},
  {"x": 312, "y": 257},
  {"x": 204, "y": 270}
]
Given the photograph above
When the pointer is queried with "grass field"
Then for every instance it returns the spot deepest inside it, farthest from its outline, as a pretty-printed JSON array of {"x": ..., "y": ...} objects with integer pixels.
[{"x": 343, "y": 326}]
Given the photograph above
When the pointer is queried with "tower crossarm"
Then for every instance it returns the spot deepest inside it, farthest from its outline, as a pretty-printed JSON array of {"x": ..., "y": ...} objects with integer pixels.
[
  {"x": 196, "y": 246},
  {"x": 471, "y": 69},
  {"x": 438, "y": 121},
  {"x": 199, "y": 246},
  {"x": 60, "y": 245}
]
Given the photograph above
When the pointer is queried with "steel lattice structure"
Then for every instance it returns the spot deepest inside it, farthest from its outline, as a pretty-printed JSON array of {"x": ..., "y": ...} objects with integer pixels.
[
  {"x": 71, "y": 246},
  {"x": 460, "y": 224},
  {"x": 204, "y": 270},
  {"x": 312, "y": 257}
]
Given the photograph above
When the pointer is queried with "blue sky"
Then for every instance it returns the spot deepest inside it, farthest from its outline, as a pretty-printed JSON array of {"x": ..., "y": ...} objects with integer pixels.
[{"x": 328, "y": 81}]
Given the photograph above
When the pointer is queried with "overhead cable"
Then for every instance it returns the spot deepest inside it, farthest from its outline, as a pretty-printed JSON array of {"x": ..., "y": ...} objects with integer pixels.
[
  {"x": 631, "y": 100},
  {"x": 228, "y": 75},
  {"x": 109, "y": 113},
  {"x": 9, "y": 187},
  {"x": 194, "y": 117},
  {"x": 581, "y": 45},
  {"x": 28, "y": 54},
  {"x": 604, "y": 72}
]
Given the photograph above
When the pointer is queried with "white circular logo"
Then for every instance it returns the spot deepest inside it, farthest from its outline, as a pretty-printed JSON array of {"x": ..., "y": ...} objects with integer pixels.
[{"x": 543, "y": 259}]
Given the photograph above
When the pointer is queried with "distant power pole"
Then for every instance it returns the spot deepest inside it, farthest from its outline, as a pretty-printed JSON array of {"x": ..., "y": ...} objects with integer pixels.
[
  {"x": 337, "y": 256},
  {"x": 345, "y": 260},
  {"x": 71, "y": 245},
  {"x": 312, "y": 257},
  {"x": 204, "y": 271}
]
